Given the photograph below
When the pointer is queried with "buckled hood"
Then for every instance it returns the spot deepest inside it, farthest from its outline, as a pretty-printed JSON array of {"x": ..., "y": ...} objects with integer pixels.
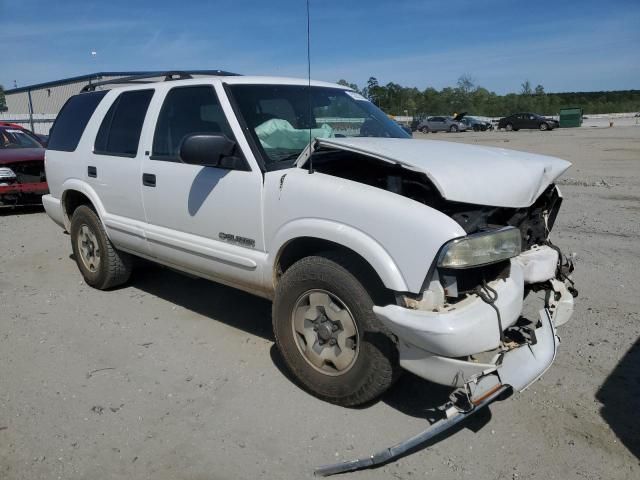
[{"x": 463, "y": 173}]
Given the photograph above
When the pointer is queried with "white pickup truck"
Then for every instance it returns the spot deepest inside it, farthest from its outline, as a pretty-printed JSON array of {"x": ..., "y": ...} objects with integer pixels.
[{"x": 379, "y": 251}]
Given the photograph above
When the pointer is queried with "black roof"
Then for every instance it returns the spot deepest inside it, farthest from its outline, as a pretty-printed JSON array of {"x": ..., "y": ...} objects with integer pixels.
[{"x": 100, "y": 75}]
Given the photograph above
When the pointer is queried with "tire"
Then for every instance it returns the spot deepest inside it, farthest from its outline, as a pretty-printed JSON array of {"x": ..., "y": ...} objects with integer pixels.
[
  {"x": 508, "y": 127},
  {"x": 424, "y": 129},
  {"x": 453, "y": 129},
  {"x": 544, "y": 126},
  {"x": 101, "y": 265},
  {"x": 367, "y": 365},
  {"x": 476, "y": 128}
]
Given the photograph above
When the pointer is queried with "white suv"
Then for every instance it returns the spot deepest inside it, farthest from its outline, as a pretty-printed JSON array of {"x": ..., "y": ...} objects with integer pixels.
[{"x": 379, "y": 251}]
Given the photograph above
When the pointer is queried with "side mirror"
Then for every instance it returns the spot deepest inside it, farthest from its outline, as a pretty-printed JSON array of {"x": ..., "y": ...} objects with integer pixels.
[{"x": 208, "y": 150}]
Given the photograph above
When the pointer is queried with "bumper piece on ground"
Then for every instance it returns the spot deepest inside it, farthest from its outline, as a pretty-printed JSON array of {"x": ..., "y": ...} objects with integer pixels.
[
  {"x": 400, "y": 449},
  {"x": 515, "y": 369}
]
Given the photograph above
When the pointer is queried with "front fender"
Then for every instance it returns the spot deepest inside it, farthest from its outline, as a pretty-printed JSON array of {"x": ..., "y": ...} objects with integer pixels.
[
  {"x": 399, "y": 237},
  {"x": 347, "y": 236}
]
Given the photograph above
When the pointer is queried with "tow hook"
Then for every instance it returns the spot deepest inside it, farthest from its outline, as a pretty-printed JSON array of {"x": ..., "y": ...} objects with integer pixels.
[{"x": 456, "y": 410}]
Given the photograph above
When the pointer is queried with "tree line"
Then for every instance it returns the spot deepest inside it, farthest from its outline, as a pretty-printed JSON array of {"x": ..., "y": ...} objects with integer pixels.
[{"x": 466, "y": 96}]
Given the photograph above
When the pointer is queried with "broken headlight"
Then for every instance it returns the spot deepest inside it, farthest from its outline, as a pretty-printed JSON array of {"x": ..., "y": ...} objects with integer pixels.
[{"x": 481, "y": 248}]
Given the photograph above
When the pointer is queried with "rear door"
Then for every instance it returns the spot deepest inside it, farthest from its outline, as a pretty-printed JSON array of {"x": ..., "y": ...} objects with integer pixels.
[
  {"x": 114, "y": 168},
  {"x": 521, "y": 121},
  {"x": 437, "y": 124}
]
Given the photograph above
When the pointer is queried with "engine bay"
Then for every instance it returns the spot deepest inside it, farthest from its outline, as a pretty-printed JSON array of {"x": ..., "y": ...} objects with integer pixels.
[{"x": 534, "y": 222}]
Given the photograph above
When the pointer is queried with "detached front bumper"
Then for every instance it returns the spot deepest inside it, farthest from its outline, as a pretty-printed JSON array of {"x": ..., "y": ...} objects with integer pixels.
[{"x": 461, "y": 347}]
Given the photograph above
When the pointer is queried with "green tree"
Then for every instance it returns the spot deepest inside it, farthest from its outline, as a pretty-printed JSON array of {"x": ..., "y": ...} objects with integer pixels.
[
  {"x": 374, "y": 91},
  {"x": 467, "y": 96},
  {"x": 525, "y": 88},
  {"x": 2, "y": 99},
  {"x": 352, "y": 86}
]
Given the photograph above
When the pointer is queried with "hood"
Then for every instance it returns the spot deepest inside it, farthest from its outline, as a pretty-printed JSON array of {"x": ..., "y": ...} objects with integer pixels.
[
  {"x": 459, "y": 116},
  {"x": 463, "y": 173},
  {"x": 17, "y": 155}
]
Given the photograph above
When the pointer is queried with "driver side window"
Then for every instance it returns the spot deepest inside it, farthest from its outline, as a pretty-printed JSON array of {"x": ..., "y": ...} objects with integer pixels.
[{"x": 187, "y": 110}]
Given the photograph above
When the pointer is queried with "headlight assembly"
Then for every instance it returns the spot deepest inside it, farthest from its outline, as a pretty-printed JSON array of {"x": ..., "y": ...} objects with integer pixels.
[{"x": 481, "y": 248}]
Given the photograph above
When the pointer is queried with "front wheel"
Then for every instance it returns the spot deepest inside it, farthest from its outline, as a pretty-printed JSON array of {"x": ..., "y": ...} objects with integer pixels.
[
  {"x": 327, "y": 333},
  {"x": 101, "y": 265},
  {"x": 453, "y": 128},
  {"x": 508, "y": 127},
  {"x": 544, "y": 126},
  {"x": 424, "y": 130}
]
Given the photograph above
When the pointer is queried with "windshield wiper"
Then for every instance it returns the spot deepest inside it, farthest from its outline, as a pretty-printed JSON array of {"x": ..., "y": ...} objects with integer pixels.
[{"x": 292, "y": 156}]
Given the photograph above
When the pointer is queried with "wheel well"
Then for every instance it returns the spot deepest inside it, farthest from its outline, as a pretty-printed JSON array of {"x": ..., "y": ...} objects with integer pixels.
[
  {"x": 72, "y": 199},
  {"x": 302, "y": 247}
]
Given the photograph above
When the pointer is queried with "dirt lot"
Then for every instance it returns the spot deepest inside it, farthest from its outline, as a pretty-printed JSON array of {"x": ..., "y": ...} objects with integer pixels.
[{"x": 173, "y": 377}]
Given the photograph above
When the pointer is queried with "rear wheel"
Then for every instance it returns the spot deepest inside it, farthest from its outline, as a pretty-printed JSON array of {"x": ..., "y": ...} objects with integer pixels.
[
  {"x": 101, "y": 265},
  {"x": 327, "y": 333},
  {"x": 424, "y": 129}
]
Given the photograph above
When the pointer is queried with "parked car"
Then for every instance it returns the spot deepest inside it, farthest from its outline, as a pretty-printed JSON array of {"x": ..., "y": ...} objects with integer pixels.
[
  {"x": 527, "y": 120},
  {"x": 22, "y": 173},
  {"x": 476, "y": 124},
  {"x": 380, "y": 252},
  {"x": 441, "y": 124}
]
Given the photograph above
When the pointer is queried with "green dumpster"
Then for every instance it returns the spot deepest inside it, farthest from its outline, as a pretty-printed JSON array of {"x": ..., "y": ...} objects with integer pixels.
[{"x": 570, "y": 117}]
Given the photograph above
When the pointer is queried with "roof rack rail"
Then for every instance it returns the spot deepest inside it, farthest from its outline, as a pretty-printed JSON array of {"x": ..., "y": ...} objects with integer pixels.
[{"x": 145, "y": 78}]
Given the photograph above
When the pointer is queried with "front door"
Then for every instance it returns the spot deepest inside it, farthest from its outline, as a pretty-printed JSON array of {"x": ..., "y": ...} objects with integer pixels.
[{"x": 207, "y": 220}]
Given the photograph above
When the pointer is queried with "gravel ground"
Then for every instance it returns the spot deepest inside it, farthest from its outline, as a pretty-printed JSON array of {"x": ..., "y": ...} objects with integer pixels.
[{"x": 173, "y": 377}]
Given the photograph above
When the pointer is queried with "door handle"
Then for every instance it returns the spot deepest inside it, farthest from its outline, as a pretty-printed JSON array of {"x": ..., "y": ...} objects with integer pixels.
[
  {"x": 148, "y": 180},
  {"x": 92, "y": 172}
]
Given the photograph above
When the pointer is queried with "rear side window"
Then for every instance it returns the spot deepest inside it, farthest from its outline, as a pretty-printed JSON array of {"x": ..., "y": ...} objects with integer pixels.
[
  {"x": 119, "y": 132},
  {"x": 72, "y": 120},
  {"x": 187, "y": 110}
]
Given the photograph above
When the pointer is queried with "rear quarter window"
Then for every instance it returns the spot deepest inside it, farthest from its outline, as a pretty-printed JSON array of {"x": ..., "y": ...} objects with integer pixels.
[{"x": 72, "y": 120}]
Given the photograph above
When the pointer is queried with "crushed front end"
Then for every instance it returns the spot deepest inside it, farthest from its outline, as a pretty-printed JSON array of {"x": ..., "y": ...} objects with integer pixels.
[
  {"x": 22, "y": 182},
  {"x": 466, "y": 328}
]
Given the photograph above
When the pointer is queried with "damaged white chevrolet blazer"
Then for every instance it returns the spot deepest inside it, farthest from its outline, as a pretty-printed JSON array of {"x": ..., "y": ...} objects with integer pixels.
[{"x": 380, "y": 252}]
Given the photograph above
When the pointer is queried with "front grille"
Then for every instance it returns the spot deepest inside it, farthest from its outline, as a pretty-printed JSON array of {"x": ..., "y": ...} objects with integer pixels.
[{"x": 28, "y": 172}]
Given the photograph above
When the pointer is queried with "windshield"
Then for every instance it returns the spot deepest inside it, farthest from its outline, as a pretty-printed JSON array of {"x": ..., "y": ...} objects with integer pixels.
[
  {"x": 16, "y": 138},
  {"x": 278, "y": 117}
]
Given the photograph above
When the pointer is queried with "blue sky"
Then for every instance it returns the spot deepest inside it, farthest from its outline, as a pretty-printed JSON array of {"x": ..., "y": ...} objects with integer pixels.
[{"x": 564, "y": 45}]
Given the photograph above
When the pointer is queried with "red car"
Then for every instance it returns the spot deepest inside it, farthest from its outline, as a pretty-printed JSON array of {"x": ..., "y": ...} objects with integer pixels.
[{"x": 22, "y": 178}]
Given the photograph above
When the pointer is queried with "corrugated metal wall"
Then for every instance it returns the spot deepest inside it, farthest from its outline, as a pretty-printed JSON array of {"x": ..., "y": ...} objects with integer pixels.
[{"x": 46, "y": 101}]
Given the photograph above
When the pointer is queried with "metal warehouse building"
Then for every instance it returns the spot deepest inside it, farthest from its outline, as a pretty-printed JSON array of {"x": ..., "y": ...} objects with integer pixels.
[{"x": 36, "y": 106}]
